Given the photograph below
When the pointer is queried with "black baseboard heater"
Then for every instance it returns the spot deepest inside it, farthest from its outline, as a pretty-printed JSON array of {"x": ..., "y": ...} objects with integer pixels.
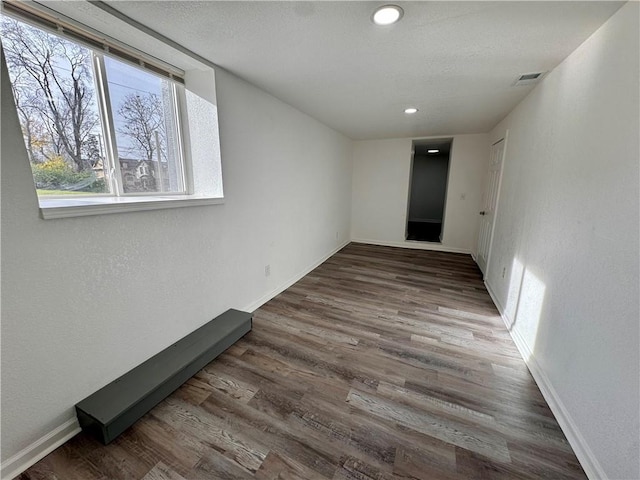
[{"x": 114, "y": 408}]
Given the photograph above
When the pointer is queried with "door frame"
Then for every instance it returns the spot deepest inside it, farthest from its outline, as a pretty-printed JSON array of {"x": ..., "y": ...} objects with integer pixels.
[
  {"x": 504, "y": 138},
  {"x": 423, "y": 141}
]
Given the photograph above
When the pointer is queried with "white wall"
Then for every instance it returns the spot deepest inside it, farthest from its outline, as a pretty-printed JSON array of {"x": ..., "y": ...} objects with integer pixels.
[
  {"x": 86, "y": 299},
  {"x": 381, "y": 171},
  {"x": 567, "y": 234}
]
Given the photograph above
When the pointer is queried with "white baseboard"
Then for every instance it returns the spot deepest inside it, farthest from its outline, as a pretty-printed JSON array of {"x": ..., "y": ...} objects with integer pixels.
[
  {"x": 498, "y": 305},
  {"x": 413, "y": 244},
  {"x": 264, "y": 299},
  {"x": 15, "y": 465},
  {"x": 585, "y": 455}
]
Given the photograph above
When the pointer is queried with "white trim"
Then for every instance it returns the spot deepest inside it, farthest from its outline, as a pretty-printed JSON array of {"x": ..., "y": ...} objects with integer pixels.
[
  {"x": 414, "y": 245},
  {"x": 585, "y": 455},
  {"x": 504, "y": 139},
  {"x": 110, "y": 162},
  {"x": 15, "y": 465},
  {"x": 497, "y": 304},
  {"x": 84, "y": 206},
  {"x": 278, "y": 290}
]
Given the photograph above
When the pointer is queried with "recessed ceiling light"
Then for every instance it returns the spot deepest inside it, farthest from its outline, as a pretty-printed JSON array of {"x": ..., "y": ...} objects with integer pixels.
[
  {"x": 410, "y": 110},
  {"x": 387, "y": 15},
  {"x": 433, "y": 150}
]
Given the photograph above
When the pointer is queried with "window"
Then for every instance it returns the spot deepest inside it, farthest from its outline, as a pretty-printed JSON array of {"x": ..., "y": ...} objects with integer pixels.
[
  {"x": 85, "y": 115},
  {"x": 145, "y": 116},
  {"x": 103, "y": 126}
]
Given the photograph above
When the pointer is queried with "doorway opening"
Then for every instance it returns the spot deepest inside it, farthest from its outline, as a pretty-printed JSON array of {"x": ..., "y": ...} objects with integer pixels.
[{"x": 428, "y": 190}]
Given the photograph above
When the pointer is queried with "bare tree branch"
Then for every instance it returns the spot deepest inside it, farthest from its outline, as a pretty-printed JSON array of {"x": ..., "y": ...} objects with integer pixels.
[
  {"x": 56, "y": 78},
  {"x": 143, "y": 117}
]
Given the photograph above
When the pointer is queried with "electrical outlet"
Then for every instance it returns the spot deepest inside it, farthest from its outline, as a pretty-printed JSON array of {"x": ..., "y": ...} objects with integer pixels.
[
  {"x": 267, "y": 270},
  {"x": 504, "y": 271}
]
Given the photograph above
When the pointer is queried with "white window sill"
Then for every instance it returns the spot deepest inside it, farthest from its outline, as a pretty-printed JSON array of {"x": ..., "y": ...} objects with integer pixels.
[{"x": 80, "y": 207}]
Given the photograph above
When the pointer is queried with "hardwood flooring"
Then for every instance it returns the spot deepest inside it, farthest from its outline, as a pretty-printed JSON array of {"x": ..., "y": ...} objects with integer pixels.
[{"x": 382, "y": 363}]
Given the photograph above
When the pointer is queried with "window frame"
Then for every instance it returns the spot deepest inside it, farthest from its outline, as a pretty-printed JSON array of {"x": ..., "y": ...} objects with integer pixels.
[{"x": 112, "y": 156}]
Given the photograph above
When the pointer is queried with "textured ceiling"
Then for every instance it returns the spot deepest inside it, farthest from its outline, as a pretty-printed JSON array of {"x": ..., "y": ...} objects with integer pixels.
[{"x": 455, "y": 61}]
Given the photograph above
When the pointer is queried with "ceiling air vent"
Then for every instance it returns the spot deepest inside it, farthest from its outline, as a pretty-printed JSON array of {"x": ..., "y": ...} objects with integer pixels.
[{"x": 528, "y": 79}]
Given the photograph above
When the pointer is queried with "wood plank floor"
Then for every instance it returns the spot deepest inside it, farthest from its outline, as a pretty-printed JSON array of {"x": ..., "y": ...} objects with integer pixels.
[{"x": 382, "y": 363}]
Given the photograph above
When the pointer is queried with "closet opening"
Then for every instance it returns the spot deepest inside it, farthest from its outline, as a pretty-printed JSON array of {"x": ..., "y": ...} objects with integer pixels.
[{"x": 428, "y": 189}]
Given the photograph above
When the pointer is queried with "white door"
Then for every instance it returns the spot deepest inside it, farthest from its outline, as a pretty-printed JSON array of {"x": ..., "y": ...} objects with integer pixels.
[{"x": 489, "y": 202}]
